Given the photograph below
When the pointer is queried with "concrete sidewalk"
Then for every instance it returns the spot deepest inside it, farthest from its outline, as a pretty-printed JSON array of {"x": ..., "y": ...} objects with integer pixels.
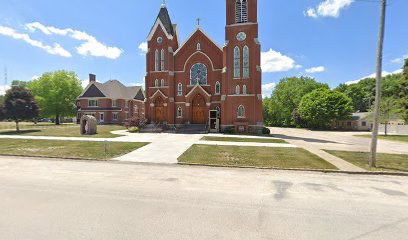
[{"x": 165, "y": 148}]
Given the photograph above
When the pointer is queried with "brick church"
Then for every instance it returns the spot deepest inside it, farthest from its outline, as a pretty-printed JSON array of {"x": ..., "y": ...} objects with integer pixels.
[{"x": 200, "y": 82}]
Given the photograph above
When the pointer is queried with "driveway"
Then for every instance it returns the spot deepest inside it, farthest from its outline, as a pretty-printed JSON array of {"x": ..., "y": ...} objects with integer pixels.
[
  {"x": 42, "y": 199},
  {"x": 332, "y": 140}
]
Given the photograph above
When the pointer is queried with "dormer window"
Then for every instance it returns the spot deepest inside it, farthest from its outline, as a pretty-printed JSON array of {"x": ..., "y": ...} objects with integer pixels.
[{"x": 241, "y": 11}]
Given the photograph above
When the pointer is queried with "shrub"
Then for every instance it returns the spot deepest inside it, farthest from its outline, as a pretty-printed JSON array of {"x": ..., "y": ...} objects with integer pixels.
[
  {"x": 138, "y": 122},
  {"x": 229, "y": 130},
  {"x": 266, "y": 131}
]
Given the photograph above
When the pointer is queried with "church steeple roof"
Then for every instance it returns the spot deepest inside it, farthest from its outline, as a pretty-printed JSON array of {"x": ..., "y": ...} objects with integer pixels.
[{"x": 165, "y": 19}]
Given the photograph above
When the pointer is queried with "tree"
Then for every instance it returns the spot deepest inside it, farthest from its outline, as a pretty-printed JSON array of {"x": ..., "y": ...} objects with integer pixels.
[
  {"x": 322, "y": 106},
  {"x": 388, "y": 110},
  {"x": 286, "y": 98},
  {"x": 403, "y": 93},
  {"x": 1, "y": 99},
  {"x": 363, "y": 92},
  {"x": 19, "y": 83},
  {"x": 56, "y": 93},
  {"x": 19, "y": 105}
]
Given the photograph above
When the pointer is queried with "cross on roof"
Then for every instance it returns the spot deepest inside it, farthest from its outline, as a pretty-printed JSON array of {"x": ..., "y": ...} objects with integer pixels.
[{"x": 198, "y": 21}]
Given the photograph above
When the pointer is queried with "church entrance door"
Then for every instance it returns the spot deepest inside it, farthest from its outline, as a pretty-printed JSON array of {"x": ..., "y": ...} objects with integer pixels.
[
  {"x": 199, "y": 109},
  {"x": 159, "y": 110}
]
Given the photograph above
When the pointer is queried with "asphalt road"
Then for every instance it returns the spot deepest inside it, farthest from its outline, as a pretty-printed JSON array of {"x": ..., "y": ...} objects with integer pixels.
[{"x": 42, "y": 199}]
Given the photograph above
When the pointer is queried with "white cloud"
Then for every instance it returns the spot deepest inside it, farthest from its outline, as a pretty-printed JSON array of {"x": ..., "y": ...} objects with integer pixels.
[
  {"x": 316, "y": 69},
  {"x": 273, "y": 61},
  {"x": 374, "y": 75},
  {"x": 141, "y": 83},
  {"x": 143, "y": 48},
  {"x": 328, "y": 8},
  {"x": 84, "y": 83},
  {"x": 91, "y": 45},
  {"x": 399, "y": 60},
  {"x": 310, "y": 13},
  {"x": 267, "y": 89},
  {"x": 3, "y": 89},
  {"x": 35, "y": 77},
  {"x": 54, "y": 50}
]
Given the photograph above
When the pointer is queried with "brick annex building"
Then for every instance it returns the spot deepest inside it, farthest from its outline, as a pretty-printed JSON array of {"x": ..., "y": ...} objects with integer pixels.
[{"x": 190, "y": 83}]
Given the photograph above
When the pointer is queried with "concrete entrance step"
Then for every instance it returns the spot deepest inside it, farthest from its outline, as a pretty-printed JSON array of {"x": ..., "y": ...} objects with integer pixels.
[{"x": 193, "y": 129}]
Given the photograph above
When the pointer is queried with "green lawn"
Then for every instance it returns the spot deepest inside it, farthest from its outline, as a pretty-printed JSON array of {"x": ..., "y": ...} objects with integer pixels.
[
  {"x": 66, "y": 149},
  {"x": 65, "y": 130},
  {"x": 399, "y": 138},
  {"x": 385, "y": 162},
  {"x": 237, "y": 139},
  {"x": 254, "y": 156}
]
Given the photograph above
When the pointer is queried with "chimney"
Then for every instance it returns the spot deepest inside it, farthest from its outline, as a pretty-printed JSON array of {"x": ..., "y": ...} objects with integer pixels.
[{"x": 92, "y": 78}]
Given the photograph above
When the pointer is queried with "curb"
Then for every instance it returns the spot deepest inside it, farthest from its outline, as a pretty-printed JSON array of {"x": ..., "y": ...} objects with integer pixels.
[{"x": 403, "y": 174}]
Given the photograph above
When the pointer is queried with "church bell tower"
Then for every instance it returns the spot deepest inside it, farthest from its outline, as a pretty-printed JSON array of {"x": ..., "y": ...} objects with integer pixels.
[{"x": 242, "y": 63}]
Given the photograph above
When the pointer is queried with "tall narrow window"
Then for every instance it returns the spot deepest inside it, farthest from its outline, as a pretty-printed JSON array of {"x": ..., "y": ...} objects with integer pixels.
[
  {"x": 237, "y": 62},
  {"x": 179, "y": 112},
  {"x": 156, "y": 83},
  {"x": 162, "y": 83},
  {"x": 218, "y": 111},
  {"x": 237, "y": 90},
  {"x": 244, "y": 89},
  {"x": 241, "y": 11},
  {"x": 162, "y": 60},
  {"x": 246, "y": 62},
  {"x": 241, "y": 112},
  {"x": 156, "y": 61},
  {"x": 217, "y": 88},
  {"x": 180, "y": 89}
]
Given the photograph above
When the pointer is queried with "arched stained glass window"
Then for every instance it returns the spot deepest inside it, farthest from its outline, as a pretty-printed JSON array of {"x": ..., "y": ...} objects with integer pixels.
[
  {"x": 246, "y": 62},
  {"x": 162, "y": 60},
  {"x": 162, "y": 83},
  {"x": 244, "y": 89},
  {"x": 156, "y": 61},
  {"x": 237, "y": 90},
  {"x": 180, "y": 89},
  {"x": 241, "y": 112},
  {"x": 237, "y": 62},
  {"x": 198, "y": 74},
  {"x": 156, "y": 83},
  {"x": 241, "y": 11},
  {"x": 217, "y": 88}
]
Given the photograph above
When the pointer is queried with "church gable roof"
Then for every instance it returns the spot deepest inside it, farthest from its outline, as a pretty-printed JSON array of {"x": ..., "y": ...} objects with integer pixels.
[{"x": 198, "y": 33}]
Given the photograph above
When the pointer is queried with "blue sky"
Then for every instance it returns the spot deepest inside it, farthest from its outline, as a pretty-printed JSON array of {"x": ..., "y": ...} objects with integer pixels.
[{"x": 331, "y": 40}]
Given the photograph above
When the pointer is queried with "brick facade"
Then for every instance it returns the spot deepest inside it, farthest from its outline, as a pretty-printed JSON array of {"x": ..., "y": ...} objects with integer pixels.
[
  {"x": 169, "y": 66},
  {"x": 107, "y": 109}
]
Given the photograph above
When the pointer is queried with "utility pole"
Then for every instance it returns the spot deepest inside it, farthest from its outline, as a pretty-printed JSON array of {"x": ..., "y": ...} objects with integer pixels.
[{"x": 374, "y": 139}]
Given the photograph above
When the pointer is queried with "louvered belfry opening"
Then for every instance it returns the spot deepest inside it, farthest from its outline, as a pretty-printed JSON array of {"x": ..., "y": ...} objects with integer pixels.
[{"x": 241, "y": 11}]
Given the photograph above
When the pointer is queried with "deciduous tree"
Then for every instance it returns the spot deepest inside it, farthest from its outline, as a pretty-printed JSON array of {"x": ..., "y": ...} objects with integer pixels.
[
  {"x": 403, "y": 93},
  {"x": 286, "y": 98},
  {"x": 19, "y": 105},
  {"x": 322, "y": 106},
  {"x": 56, "y": 93}
]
